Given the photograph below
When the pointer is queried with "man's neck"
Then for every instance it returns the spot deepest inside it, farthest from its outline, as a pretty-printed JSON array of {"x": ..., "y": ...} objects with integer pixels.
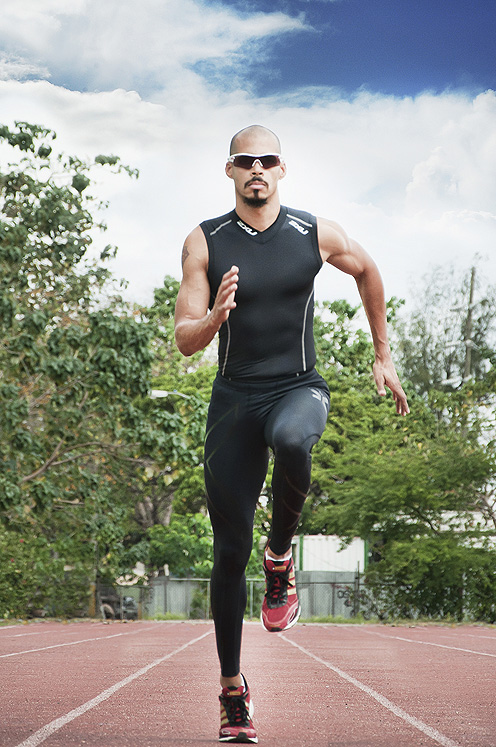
[{"x": 260, "y": 217}]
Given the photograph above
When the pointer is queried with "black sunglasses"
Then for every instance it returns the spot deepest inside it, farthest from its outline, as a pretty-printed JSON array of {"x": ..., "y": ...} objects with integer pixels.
[{"x": 248, "y": 160}]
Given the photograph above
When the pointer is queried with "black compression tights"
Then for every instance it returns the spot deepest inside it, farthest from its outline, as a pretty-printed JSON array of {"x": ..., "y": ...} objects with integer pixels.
[{"x": 243, "y": 421}]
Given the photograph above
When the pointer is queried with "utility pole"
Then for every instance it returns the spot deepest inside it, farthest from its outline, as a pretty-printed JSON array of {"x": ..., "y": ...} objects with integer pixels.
[{"x": 468, "y": 330}]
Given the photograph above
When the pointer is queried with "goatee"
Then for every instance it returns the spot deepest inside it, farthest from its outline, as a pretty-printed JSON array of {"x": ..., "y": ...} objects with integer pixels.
[{"x": 254, "y": 202}]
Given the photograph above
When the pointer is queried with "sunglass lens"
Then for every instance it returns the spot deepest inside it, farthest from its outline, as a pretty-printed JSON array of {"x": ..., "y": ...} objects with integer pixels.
[
  {"x": 267, "y": 161},
  {"x": 243, "y": 162}
]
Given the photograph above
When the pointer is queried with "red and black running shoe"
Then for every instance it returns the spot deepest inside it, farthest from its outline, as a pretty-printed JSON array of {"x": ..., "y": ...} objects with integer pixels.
[
  {"x": 280, "y": 608},
  {"x": 236, "y": 711}
]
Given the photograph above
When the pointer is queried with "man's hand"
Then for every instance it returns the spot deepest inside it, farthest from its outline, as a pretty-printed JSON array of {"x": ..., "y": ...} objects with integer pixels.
[
  {"x": 224, "y": 300},
  {"x": 385, "y": 376}
]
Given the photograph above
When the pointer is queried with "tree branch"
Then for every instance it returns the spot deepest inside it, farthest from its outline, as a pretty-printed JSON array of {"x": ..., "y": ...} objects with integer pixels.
[
  {"x": 52, "y": 460},
  {"x": 45, "y": 466}
]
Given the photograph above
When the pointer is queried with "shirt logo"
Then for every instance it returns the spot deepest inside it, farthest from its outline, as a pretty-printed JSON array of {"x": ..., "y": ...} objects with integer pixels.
[
  {"x": 247, "y": 228},
  {"x": 299, "y": 228}
]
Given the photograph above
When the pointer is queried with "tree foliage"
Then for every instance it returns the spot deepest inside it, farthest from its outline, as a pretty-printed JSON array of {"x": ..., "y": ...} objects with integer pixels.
[
  {"x": 70, "y": 365},
  {"x": 34, "y": 578},
  {"x": 75, "y": 362},
  {"x": 441, "y": 577},
  {"x": 450, "y": 336}
]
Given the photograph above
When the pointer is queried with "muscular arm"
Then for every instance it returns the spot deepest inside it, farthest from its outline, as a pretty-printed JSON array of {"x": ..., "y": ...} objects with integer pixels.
[
  {"x": 195, "y": 326},
  {"x": 349, "y": 257}
]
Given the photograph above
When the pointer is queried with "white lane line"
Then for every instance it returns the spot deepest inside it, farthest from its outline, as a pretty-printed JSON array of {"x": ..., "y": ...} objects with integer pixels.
[
  {"x": 429, "y": 643},
  {"x": 23, "y": 635},
  {"x": 480, "y": 637},
  {"x": 427, "y": 730},
  {"x": 70, "y": 643},
  {"x": 59, "y": 631},
  {"x": 46, "y": 731},
  {"x": 65, "y": 629}
]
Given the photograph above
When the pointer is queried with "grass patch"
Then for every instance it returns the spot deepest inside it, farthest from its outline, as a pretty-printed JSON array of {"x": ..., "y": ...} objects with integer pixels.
[
  {"x": 338, "y": 620},
  {"x": 167, "y": 616}
]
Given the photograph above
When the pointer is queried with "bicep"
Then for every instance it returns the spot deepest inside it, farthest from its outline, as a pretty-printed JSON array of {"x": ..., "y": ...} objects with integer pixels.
[
  {"x": 338, "y": 250},
  {"x": 194, "y": 292},
  {"x": 353, "y": 260}
]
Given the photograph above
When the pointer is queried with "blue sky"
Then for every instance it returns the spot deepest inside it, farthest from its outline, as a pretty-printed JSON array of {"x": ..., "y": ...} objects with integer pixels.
[
  {"x": 386, "y": 110},
  {"x": 398, "y": 47}
]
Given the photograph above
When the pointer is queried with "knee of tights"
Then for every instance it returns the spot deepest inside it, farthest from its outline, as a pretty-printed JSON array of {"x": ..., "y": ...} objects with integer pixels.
[
  {"x": 292, "y": 453},
  {"x": 233, "y": 558}
]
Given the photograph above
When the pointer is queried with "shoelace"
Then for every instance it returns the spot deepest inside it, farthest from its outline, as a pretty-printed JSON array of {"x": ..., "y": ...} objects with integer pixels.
[
  {"x": 277, "y": 586},
  {"x": 236, "y": 710}
]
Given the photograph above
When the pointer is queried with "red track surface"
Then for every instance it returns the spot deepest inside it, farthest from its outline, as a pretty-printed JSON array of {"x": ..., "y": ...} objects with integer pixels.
[{"x": 153, "y": 684}]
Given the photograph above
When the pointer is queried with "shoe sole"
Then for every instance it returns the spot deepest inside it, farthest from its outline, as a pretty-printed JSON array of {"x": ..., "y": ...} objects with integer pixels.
[
  {"x": 288, "y": 626},
  {"x": 242, "y": 738}
]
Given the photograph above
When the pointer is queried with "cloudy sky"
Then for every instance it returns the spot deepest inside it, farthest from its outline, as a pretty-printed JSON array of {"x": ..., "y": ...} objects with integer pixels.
[{"x": 386, "y": 110}]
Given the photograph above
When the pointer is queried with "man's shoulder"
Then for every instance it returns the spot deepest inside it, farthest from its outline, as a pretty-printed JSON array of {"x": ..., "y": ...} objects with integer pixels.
[
  {"x": 302, "y": 221},
  {"x": 301, "y": 215},
  {"x": 212, "y": 225}
]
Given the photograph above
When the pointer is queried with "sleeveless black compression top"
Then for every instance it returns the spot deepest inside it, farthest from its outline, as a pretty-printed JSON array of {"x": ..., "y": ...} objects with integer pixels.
[{"x": 270, "y": 332}]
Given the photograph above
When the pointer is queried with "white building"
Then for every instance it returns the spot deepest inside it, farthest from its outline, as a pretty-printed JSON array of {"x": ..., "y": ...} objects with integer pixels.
[{"x": 321, "y": 552}]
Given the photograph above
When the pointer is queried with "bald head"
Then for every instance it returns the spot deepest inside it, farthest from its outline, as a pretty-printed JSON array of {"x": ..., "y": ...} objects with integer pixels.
[{"x": 255, "y": 138}]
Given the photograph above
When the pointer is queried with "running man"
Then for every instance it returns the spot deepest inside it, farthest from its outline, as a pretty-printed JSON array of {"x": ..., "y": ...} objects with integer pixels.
[{"x": 249, "y": 275}]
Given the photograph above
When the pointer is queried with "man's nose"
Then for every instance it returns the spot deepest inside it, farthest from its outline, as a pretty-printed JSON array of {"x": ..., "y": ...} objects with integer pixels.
[{"x": 257, "y": 165}]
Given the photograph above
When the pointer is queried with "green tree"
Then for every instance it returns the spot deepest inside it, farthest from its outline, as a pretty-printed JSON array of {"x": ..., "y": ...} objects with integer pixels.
[
  {"x": 173, "y": 476},
  {"x": 186, "y": 547},
  {"x": 450, "y": 336},
  {"x": 70, "y": 365},
  {"x": 35, "y": 580},
  {"x": 340, "y": 342},
  {"x": 75, "y": 363},
  {"x": 443, "y": 577}
]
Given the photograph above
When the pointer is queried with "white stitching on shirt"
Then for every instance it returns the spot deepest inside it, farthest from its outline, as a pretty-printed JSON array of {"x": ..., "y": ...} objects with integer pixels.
[
  {"x": 303, "y": 354},
  {"x": 295, "y": 217},
  {"x": 212, "y": 233},
  {"x": 226, "y": 355}
]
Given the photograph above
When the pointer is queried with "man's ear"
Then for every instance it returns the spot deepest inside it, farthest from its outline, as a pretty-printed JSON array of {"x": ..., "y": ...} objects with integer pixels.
[{"x": 229, "y": 169}]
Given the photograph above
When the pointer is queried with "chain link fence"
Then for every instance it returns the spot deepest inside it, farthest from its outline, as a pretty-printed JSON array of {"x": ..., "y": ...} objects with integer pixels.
[{"x": 321, "y": 594}]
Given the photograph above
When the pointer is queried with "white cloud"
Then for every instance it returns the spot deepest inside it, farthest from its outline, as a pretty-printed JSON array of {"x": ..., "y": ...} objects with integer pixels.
[
  {"x": 13, "y": 67},
  {"x": 411, "y": 179},
  {"x": 123, "y": 43},
  {"x": 459, "y": 172},
  {"x": 32, "y": 22}
]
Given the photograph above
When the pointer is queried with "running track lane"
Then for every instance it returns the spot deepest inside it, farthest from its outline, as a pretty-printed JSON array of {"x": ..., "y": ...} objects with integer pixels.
[{"x": 153, "y": 684}]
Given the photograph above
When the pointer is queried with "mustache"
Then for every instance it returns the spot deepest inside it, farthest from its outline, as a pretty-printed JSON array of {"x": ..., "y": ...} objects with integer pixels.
[{"x": 256, "y": 180}]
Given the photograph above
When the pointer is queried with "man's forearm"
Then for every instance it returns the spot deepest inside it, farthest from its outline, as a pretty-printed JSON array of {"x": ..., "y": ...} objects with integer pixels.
[
  {"x": 372, "y": 294},
  {"x": 193, "y": 335}
]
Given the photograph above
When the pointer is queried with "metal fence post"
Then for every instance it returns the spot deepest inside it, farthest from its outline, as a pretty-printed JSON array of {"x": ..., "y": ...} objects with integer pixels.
[{"x": 356, "y": 600}]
